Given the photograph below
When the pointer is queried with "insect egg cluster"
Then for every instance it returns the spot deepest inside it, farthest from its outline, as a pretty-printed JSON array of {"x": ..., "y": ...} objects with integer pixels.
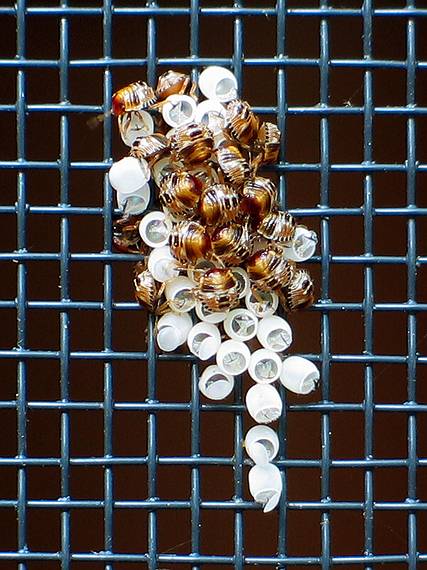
[{"x": 220, "y": 257}]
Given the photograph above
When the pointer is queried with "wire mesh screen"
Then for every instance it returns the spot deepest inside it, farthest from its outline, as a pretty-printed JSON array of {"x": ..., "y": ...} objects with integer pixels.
[{"x": 108, "y": 456}]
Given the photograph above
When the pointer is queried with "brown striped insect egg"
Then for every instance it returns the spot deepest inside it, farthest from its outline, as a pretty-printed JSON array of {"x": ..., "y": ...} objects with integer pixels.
[
  {"x": 147, "y": 291},
  {"x": 150, "y": 147},
  {"x": 232, "y": 163},
  {"x": 268, "y": 269},
  {"x": 259, "y": 198},
  {"x": 219, "y": 203},
  {"x": 134, "y": 97},
  {"x": 126, "y": 236},
  {"x": 180, "y": 193},
  {"x": 171, "y": 83},
  {"x": 269, "y": 142},
  {"x": 241, "y": 123},
  {"x": 278, "y": 227},
  {"x": 192, "y": 143},
  {"x": 218, "y": 290},
  {"x": 299, "y": 293},
  {"x": 189, "y": 242},
  {"x": 205, "y": 175},
  {"x": 232, "y": 243}
]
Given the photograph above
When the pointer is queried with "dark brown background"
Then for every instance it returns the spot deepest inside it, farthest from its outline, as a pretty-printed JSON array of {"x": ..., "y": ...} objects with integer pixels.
[{"x": 86, "y": 235}]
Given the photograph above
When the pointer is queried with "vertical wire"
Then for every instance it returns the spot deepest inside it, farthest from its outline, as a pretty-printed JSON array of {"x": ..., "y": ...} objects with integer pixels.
[
  {"x": 152, "y": 448},
  {"x": 281, "y": 123},
  {"x": 325, "y": 258},
  {"x": 282, "y": 104},
  {"x": 108, "y": 296},
  {"x": 238, "y": 58},
  {"x": 368, "y": 278},
  {"x": 411, "y": 286},
  {"x": 65, "y": 293},
  {"x": 151, "y": 45},
  {"x": 21, "y": 292},
  {"x": 195, "y": 399},
  {"x": 194, "y": 35},
  {"x": 195, "y": 474},
  {"x": 151, "y": 352}
]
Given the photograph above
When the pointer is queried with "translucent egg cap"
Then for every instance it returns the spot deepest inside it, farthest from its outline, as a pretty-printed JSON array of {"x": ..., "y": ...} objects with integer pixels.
[
  {"x": 218, "y": 83},
  {"x": 299, "y": 375},
  {"x": 264, "y": 403},
  {"x": 265, "y": 485},
  {"x": 274, "y": 333},
  {"x": 215, "y": 384},
  {"x": 233, "y": 357},
  {"x": 128, "y": 175}
]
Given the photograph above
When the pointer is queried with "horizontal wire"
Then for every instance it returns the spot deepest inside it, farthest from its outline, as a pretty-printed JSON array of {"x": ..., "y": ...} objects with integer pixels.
[
  {"x": 323, "y": 306},
  {"x": 209, "y": 505},
  {"x": 197, "y": 558},
  {"x": 274, "y": 62},
  {"x": 182, "y": 461},
  {"x": 363, "y": 259},
  {"x": 321, "y": 12},
  {"x": 288, "y": 167},
  {"x": 319, "y": 211},
  {"x": 316, "y": 110},
  {"x": 157, "y": 406},
  {"x": 108, "y": 355}
]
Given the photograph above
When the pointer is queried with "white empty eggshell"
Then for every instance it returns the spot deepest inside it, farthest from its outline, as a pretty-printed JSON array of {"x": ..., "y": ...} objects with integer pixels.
[
  {"x": 265, "y": 485},
  {"x": 218, "y": 83},
  {"x": 233, "y": 357},
  {"x": 212, "y": 114},
  {"x": 178, "y": 110},
  {"x": 179, "y": 293},
  {"x": 299, "y": 375},
  {"x": 274, "y": 333},
  {"x": 135, "y": 204},
  {"x": 262, "y": 444},
  {"x": 172, "y": 330},
  {"x": 215, "y": 384},
  {"x": 302, "y": 246},
  {"x": 162, "y": 265},
  {"x": 264, "y": 403},
  {"x": 128, "y": 175},
  {"x": 154, "y": 229},
  {"x": 265, "y": 366},
  {"x": 241, "y": 324},
  {"x": 203, "y": 340},
  {"x": 135, "y": 124}
]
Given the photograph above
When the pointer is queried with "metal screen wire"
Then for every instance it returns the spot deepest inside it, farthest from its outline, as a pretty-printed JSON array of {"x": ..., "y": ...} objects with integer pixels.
[{"x": 109, "y": 458}]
